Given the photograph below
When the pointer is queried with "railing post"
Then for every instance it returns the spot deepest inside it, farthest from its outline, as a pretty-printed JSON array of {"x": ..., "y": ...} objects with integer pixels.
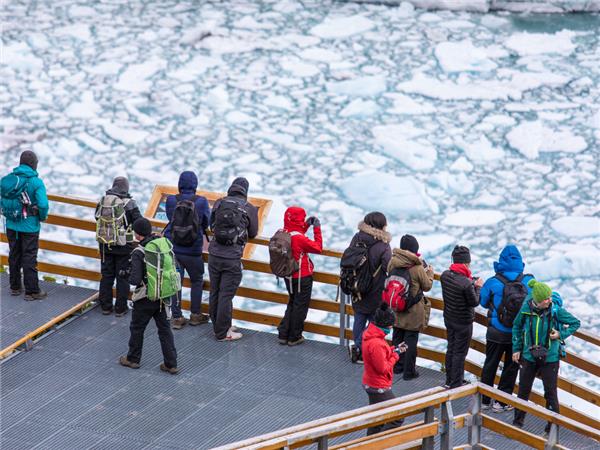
[
  {"x": 347, "y": 302},
  {"x": 447, "y": 427},
  {"x": 342, "y": 318},
  {"x": 475, "y": 422},
  {"x": 429, "y": 417},
  {"x": 322, "y": 443},
  {"x": 552, "y": 440}
]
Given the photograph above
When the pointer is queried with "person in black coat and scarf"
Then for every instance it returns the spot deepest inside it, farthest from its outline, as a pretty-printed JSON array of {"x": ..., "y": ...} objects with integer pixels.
[{"x": 372, "y": 233}]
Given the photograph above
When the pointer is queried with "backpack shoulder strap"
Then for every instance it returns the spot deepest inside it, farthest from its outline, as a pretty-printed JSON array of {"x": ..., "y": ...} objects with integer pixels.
[
  {"x": 501, "y": 278},
  {"x": 520, "y": 277},
  {"x": 177, "y": 198}
]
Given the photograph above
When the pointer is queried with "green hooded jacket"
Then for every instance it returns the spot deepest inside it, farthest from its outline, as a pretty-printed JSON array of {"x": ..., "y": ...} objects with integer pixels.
[
  {"x": 37, "y": 193},
  {"x": 531, "y": 328}
]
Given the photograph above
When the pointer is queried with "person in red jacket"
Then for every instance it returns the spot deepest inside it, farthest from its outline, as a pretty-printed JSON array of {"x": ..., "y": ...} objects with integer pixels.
[
  {"x": 379, "y": 359},
  {"x": 299, "y": 287}
]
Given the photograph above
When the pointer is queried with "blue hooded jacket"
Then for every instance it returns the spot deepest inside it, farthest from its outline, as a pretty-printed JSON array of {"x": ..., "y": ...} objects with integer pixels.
[
  {"x": 37, "y": 193},
  {"x": 188, "y": 183},
  {"x": 510, "y": 264}
]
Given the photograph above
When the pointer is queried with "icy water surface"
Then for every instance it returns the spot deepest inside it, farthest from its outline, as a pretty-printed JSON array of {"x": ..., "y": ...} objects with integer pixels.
[{"x": 461, "y": 127}]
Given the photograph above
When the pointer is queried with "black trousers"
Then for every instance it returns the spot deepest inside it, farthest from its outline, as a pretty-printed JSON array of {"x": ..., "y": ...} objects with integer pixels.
[
  {"x": 459, "y": 337},
  {"x": 375, "y": 397},
  {"x": 408, "y": 360},
  {"x": 194, "y": 266},
  {"x": 110, "y": 266},
  {"x": 494, "y": 352},
  {"x": 143, "y": 311},
  {"x": 549, "y": 374},
  {"x": 225, "y": 277},
  {"x": 292, "y": 324},
  {"x": 22, "y": 254}
]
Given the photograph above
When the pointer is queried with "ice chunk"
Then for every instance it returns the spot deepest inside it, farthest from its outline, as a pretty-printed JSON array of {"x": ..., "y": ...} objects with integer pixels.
[
  {"x": 403, "y": 104},
  {"x": 279, "y": 101},
  {"x": 218, "y": 98},
  {"x": 571, "y": 264},
  {"x": 481, "y": 150},
  {"x": 397, "y": 196},
  {"x": 360, "y": 108},
  {"x": 455, "y": 184},
  {"x": 238, "y": 117},
  {"x": 135, "y": 77},
  {"x": 86, "y": 107},
  {"x": 19, "y": 56},
  {"x": 125, "y": 135},
  {"x": 462, "y": 164},
  {"x": 474, "y": 218},
  {"x": 299, "y": 68},
  {"x": 464, "y": 56},
  {"x": 530, "y": 138},
  {"x": 363, "y": 86},
  {"x": 77, "y": 31},
  {"x": 95, "y": 144},
  {"x": 433, "y": 244},
  {"x": 341, "y": 27},
  {"x": 577, "y": 226},
  {"x": 417, "y": 156},
  {"x": 319, "y": 55},
  {"x": 194, "y": 68},
  {"x": 539, "y": 43}
]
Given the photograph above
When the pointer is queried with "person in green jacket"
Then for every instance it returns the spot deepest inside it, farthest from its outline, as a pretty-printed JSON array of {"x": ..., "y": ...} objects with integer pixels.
[
  {"x": 537, "y": 333},
  {"x": 24, "y": 205}
]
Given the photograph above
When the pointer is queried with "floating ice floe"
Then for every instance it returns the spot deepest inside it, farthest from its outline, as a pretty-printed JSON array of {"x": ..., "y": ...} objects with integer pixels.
[
  {"x": 540, "y": 43},
  {"x": 360, "y": 108},
  {"x": 195, "y": 67},
  {"x": 474, "y": 218},
  {"x": 78, "y": 31},
  {"x": 433, "y": 244},
  {"x": 481, "y": 151},
  {"x": 238, "y": 117},
  {"x": 577, "y": 226},
  {"x": 342, "y": 27},
  {"x": 299, "y": 68},
  {"x": 95, "y": 144},
  {"x": 279, "y": 101},
  {"x": 403, "y": 104},
  {"x": 218, "y": 98},
  {"x": 381, "y": 191},
  {"x": 19, "y": 56},
  {"x": 136, "y": 77},
  {"x": 319, "y": 55},
  {"x": 570, "y": 264},
  {"x": 455, "y": 5},
  {"x": 396, "y": 144},
  {"x": 124, "y": 135},
  {"x": 360, "y": 87},
  {"x": 464, "y": 56},
  {"x": 85, "y": 108},
  {"x": 531, "y": 138}
]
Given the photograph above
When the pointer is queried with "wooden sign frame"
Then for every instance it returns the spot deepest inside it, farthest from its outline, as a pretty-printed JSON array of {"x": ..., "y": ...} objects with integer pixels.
[{"x": 155, "y": 208}]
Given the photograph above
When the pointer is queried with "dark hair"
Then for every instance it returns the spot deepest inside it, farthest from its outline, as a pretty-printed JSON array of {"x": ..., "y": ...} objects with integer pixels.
[{"x": 375, "y": 220}]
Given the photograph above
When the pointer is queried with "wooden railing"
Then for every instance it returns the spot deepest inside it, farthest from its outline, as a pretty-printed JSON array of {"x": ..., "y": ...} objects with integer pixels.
[
  {"x": 420, "y": 434},
  {"x": 343, "y": 309}
]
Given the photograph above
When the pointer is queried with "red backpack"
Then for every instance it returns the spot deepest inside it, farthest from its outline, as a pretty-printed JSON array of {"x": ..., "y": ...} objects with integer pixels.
[{"x": 396, "y": 290}]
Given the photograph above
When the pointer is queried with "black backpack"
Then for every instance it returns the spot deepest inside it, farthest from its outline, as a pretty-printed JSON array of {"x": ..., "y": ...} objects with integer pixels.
[
  {"x": 513, "y": 295},
  {"x": 185, "y": 225},
  {"x": 355, "y": 271},
  {"x": 281, "y": 259},
  {"x": 230, "y": 223}
]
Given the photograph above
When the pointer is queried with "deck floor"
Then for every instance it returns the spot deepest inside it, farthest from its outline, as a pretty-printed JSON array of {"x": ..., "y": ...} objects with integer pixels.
[{"x": 68, "y": 392}]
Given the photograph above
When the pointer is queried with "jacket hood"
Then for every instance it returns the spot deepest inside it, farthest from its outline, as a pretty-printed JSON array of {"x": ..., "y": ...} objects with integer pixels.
[
  {"x": 372, "y": 332},
  {"x": 25, "y": 171},
  {"x": 120, "y": 187},
  {"x": 188, "y": 182},
  {"x": 378, "y": 234},
  {"x": 239, "y": 187},
  {"x": 403, "y": 258},
  {"x": 294, "y": 219},
  {"x": 510, "y": 260}
]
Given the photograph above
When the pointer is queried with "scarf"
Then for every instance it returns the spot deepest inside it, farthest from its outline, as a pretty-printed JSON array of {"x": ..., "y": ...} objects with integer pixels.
[{"x": 461, "y": 269}]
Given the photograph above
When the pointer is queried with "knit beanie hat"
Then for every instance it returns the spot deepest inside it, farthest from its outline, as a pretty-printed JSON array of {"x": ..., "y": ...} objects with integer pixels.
[
  {"x": 408, "y": 242},
  {"x": 143, "y": 227},
  {"x": 461, "y": 255},
  {"x": 539, "y": 291},
  {"x": 29, "y": 158},
  {"x": 239, "y": 186},
  {"x": 384, "y": 316}
]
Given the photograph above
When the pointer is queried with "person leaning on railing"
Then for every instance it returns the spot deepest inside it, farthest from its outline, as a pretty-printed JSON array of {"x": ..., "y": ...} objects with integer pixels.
[{"x": 536, "y": 335}]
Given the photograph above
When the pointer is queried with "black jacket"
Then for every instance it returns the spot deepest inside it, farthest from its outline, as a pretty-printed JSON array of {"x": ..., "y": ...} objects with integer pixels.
[
  {"x": 132, "y": 213},
  {"x": 380, "y": 254},
  {"x": 460, "y": 298},
  {"x": 137, "y": 274},
  {"x": 234, "y": 251}
]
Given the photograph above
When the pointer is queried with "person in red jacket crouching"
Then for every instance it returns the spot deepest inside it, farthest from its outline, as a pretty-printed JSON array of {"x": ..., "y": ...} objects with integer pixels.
[
  {"x": 299, "y": 286},
  {"x": 379, "y": 359}
]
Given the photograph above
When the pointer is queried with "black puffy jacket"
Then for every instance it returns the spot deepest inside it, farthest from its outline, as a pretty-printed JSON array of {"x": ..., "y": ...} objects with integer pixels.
[{"x": 460, "y": 298}]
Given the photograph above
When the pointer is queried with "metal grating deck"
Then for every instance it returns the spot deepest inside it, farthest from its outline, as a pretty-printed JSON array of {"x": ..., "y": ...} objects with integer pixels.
[{"x": 68, "y": 392}]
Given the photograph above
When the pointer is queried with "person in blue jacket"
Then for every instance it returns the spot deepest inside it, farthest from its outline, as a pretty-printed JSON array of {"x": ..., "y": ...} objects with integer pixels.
[
  {"x": 508, "y": 268},
  {"x": 24, "y": 205},
  {"x": 189, "y": 257}
]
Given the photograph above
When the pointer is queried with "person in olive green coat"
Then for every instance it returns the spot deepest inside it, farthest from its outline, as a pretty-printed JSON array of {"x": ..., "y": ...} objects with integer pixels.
[
  {"x": 24, "y": 205},
  {"x": 538, "y": 330}
]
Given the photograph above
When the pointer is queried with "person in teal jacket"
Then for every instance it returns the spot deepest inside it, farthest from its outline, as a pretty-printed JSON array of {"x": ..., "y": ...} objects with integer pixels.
[
  {"x": 24, "y": 205},
  {"x": 538, "y": 331}
]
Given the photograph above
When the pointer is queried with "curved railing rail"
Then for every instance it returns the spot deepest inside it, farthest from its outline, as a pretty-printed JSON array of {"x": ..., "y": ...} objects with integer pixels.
[{"x": 344, "y": 310}]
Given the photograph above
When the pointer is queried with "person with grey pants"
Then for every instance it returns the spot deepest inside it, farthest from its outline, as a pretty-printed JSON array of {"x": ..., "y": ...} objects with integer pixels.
[{"x": 233, "y": 220}]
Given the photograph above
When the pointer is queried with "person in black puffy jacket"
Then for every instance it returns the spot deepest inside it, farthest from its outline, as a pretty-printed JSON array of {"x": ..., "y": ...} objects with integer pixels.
[
  {"x": 372, "y": 232},
  {"x": 460, "y": 293}
]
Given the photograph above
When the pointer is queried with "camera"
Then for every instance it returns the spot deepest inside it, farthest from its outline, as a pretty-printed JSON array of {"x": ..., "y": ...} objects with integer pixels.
[{"x": 124, "y": 273}]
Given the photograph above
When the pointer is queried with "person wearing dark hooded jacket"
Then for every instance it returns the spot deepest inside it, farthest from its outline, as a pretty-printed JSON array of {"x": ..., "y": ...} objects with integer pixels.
[
  {"x": 23, "y": 233},
  {"x": 299, "y": 287},
  {"x": 499, "y": 337},
  {"x": 416, "y": 317},
  {"x": 461, "y": 295},
  {"x": 371, "y": 231},
  {"x": 189, "y": 258},
  {"x": 224, "y": 261},
  {"x": 115, "y": 258}
]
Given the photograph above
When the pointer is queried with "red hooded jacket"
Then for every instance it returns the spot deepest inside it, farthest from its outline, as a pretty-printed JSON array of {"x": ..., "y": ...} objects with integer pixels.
[
  {"x": 294, "y": 220},
  {"x": 379, "y": 359}
]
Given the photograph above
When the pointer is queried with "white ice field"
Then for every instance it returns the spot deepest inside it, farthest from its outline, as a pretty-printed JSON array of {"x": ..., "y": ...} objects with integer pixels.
[{"x": 479, "y": 129}]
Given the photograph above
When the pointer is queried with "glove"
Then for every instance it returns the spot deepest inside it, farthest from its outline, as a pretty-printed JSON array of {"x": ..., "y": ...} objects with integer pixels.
[{"x": 314, "y": 221}]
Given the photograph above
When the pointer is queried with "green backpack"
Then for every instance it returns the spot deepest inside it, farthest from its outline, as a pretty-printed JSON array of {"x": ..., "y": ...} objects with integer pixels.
[{"x": 161, "y": 271}]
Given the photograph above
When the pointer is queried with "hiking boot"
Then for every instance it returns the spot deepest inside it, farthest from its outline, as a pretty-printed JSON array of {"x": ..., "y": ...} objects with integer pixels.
[
  {"x": 125, "y": 362},
  {"x": 179, "y": 323},
  {"x": 518, "y": 423},
  {"x": 231, "y": 336},
  {"x": 282, "y": 341},
  {"x": 298, "y": 341},
  {"x": 121, "y": 313},
  {"x": 354, "y": 354},
  {"x": 171, "y": 370},
  {"x": 16, "y": 292},
  {"x": 35, "y": 296},
  {"x": 107, "y": 312},
  {"x": 498, "y": 407},
  {"x": 486, "y": 406},
  {"x": 398, "y": 369},
  {"x": 198, "y": 319}
]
